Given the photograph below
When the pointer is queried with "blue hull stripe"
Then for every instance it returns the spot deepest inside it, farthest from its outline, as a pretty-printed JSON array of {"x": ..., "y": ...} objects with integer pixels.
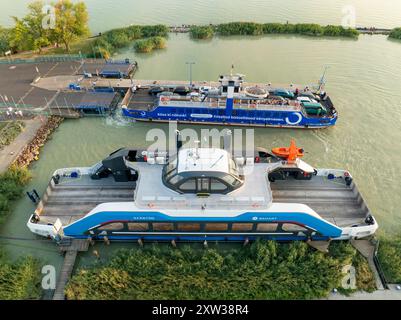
[
  {"x": 78, "y": 228},
  {"x": 221, "y": 116}
]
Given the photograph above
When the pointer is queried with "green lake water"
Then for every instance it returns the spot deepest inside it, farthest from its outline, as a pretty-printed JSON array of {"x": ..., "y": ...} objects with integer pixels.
[
  {"x": 106, "y": 14},
  {"x": 363, "y": 80}
]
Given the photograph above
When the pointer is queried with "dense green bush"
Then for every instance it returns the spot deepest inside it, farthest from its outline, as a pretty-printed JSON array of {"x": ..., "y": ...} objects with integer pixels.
[
  {"x": 12, "y": 183},
  {"x": 110, "y": 41},
  {"x": 395, "y": 33},
  {"x": 240, "y": 28},
  {"x": 158, "y": 30},
  {"x": 339, "y": 31},
  {"x": 311, "y": 29},
  {"x": 390, "y": 258},
  {"x": 149, "y": 44},
  {"x": 201, "y": 32},
  {"x": 263, "y": 270},
  {"x": 19, "y": 280},
  {"x": 278, "y": 28}
]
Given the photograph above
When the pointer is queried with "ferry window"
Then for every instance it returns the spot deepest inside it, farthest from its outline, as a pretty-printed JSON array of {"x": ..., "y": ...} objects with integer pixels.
[
  {"x": 266, "y": 227},
  {"x": 176, "y": 179},
  {"x": 203, "y": 184},
  {"x": 217, "y": 185},
  {"x": 231, "y": 180},
  {"x": 112, "y": 226},
  {"x": 241, "y": 227},
  {"x": 171, "y": 173},
  {"x": 171, "y": 165},
  {"x": 292, "y": 227},
  {"x": 188, "y": 185},
  {"x": 193, "y": 227},
  {"x": 161, "y": 226},
  {"x": 233, "y": 167},
  {"x": 138, "y": 226},
  {"x": 216, "y": 227}
]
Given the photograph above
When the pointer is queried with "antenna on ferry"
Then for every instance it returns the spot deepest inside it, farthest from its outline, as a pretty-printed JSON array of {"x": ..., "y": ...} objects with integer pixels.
[
  {"x": 322, "y": 80},
  {"x": 232, "y": 69},
  {"x": 178, "y": 139},
  {"x": 227, "y": 142},
  {"x": 197, "y": 142}
]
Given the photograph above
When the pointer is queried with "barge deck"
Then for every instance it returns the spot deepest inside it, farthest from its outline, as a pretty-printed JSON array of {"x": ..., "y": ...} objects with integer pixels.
[
  {"x": 71, "y": 199},
  {"x": 333, "y": 200}
]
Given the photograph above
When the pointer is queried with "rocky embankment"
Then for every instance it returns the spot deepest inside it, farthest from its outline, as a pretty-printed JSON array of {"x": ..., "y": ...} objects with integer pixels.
[{"x": 31, "y": 151}]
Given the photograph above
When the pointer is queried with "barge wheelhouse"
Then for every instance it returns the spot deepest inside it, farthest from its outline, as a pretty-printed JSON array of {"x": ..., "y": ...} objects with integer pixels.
[
  {"x": 233, "y": 104},
  {"x": 202, "y": 194}
]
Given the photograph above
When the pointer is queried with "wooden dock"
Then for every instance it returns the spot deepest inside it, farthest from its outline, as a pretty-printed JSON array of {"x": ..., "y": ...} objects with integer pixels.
[
  {"x": 71, "y": 249},
  {"x": 373, "y": 31}
]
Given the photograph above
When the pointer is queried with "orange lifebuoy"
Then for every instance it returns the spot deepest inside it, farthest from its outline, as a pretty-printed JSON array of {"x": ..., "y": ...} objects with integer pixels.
[{"x": 151, "y": 205}]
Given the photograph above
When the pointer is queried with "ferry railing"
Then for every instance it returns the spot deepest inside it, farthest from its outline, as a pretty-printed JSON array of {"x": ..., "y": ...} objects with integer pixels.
[
  {"x": 378, "y": 265},
  {"x": 244, "y": 202}
]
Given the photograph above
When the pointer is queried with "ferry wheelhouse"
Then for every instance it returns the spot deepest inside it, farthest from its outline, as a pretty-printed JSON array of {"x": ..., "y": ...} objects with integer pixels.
[
  {"x": 232, "y": 104},
  {"x": 202, "y": 194}
]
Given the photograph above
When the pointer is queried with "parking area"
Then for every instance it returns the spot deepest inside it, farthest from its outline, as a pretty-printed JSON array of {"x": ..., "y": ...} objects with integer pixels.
[
  {"x": 16, "y": 89},
  {"x": 16, "y": 79}
]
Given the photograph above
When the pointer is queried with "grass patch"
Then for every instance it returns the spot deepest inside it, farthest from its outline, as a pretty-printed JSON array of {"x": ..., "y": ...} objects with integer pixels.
[
  {"x": 263, "y": 270},
  {"x": 9, "y": 131},
  {"x": 390, "y": 258}
]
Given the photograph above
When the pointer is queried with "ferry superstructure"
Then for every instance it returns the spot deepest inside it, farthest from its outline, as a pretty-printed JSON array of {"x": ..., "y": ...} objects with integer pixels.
[
  {"x": 202, "y": 194},
  {"x": 233, "y": 104}
]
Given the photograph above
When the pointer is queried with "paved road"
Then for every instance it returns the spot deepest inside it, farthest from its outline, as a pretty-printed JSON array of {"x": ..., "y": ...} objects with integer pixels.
[
  {"x": 11, "y": 152},
  {"x": 391, "y": 294}
]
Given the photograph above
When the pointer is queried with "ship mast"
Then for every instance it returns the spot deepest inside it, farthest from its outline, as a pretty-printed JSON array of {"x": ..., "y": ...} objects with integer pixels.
[{"x": 322, "y": 80}]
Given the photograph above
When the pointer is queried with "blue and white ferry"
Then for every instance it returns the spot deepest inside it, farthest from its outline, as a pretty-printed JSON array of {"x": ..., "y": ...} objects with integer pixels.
[
  {"x": 202, "y": 194},
  {"x": 232, "y": 104}
]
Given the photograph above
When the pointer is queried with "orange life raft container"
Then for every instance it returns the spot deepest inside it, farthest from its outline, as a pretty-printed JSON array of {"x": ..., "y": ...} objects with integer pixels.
[{"x": 290, "y": 154}]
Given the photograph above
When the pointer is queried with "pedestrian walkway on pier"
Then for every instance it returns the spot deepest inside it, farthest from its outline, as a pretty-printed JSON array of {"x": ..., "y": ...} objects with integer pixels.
[{"x": 11, "y": 152}]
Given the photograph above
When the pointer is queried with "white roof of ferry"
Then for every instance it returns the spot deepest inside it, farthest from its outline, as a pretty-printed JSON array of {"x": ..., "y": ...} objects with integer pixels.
[
  {"x": 255, "y": 192},
  {"x": 203, "y": 159}
]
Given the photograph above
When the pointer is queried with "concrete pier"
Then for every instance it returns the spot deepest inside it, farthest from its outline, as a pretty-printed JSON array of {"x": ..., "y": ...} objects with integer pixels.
[{"x": 71, "y": 250}]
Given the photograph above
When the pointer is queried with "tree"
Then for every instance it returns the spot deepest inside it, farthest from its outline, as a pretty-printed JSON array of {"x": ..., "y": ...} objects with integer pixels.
[
  {"x": 4, "y": 40},
  {"x": 19, "y": 39},
  {"x": 29, "y": 33},
  {"x": 71, "y": 22},
  {"x": 38, "y": 33}
]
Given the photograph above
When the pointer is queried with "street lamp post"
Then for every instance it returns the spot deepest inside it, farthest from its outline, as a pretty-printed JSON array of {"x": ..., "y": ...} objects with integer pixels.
[{"x": 190, "y": 72}]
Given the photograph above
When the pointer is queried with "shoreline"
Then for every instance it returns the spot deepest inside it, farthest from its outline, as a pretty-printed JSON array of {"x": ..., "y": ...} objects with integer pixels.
[
  {"x": 196, "y": 31},
  {"x": 32, "y": 148}
]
